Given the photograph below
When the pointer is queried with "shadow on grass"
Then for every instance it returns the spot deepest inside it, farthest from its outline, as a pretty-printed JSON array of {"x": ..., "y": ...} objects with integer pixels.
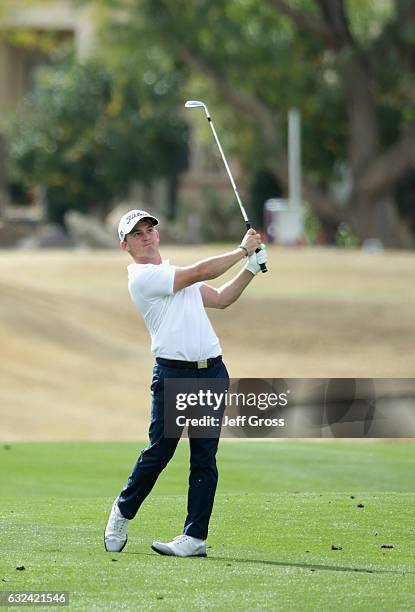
[{"x": 310, "y": 566}]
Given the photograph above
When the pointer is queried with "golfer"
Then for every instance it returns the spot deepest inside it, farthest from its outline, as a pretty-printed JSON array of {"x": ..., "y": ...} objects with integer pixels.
[{"x": 172, "y": 301}]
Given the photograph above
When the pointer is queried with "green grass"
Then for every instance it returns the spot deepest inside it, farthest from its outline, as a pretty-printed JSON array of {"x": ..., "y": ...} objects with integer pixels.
[{"x": 279, "y": 509}]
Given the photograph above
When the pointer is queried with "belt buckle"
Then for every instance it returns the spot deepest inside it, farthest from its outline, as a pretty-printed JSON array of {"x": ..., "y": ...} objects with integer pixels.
[{"x": 202, "y": 364}]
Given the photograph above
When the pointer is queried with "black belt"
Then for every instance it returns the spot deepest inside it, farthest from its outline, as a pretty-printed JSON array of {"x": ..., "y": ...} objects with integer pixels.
[{"x": 202, "y": 364}]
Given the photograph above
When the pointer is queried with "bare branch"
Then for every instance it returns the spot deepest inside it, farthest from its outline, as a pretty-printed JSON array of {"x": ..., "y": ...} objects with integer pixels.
[
  {"x": 389, "y": 167},
  {"x": 337, "y": 22},
  {"x": 405, "y": 10},
  {"x": 304, "y": 20},
  {"x": 405, "y": 18}
]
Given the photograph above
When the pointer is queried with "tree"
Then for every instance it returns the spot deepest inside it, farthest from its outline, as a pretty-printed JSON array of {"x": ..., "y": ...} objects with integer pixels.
[
  {"x": 334, "y": 59},
  {"x": 87, "y": 132}
]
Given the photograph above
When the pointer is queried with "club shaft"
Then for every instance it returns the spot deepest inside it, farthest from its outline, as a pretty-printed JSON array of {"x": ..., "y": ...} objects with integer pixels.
[
  {"x": 245, "y": 216},
  {"x": 197, "y": 103}
]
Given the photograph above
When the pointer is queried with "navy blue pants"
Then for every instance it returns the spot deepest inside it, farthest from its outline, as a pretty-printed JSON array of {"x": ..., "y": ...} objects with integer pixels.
[{"x": 153, "y": 459}]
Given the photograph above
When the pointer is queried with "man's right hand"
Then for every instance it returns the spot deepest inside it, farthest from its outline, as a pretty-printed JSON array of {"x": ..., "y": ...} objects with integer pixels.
[{"x": 251, "y": 241}]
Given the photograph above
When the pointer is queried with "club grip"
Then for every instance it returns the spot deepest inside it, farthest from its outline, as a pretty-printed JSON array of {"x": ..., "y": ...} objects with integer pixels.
[{"x": 262, "y": 266}]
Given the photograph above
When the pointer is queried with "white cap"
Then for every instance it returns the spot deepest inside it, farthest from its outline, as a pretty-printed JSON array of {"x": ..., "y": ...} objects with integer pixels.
[{"x": 130, "y": 220}]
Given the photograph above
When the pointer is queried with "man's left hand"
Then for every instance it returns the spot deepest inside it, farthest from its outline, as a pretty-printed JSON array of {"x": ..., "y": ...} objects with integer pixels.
[{"x": 254, "y": 260}]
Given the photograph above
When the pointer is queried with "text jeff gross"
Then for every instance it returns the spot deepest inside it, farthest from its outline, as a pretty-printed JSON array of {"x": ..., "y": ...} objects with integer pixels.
[{"x": 239, "y": 421}]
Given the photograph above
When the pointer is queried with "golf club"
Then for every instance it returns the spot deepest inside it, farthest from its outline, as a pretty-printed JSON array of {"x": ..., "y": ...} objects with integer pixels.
[{"x": 196, "y": 104}]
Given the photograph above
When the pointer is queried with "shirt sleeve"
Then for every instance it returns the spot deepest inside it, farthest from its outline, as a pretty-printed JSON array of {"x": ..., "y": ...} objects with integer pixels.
[{"x": 153, "y": 282}]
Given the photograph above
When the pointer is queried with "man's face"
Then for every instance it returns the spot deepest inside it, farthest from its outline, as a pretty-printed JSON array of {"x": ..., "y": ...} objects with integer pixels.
[{"x": 143, "y": 241}]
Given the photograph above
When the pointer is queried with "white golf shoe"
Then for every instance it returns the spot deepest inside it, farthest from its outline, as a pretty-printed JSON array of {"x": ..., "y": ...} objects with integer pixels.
[
  {"x": 115, "y": 537},
  {"x": 181, "y": 546}
]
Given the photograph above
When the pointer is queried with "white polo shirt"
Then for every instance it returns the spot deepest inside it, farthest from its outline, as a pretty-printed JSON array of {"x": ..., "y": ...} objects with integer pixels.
[{"x": 178, "y": 324}]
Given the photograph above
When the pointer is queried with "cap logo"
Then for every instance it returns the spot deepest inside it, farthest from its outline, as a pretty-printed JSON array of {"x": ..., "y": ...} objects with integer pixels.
[{"x": 133, "y": 216}]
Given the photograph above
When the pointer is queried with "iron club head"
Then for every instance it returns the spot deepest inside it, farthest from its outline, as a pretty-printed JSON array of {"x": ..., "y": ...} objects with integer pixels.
[{"x": 196, "y": 104}]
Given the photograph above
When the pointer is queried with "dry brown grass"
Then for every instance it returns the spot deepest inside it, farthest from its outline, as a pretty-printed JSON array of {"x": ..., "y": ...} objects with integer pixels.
[{"x": 75, "y": 355}]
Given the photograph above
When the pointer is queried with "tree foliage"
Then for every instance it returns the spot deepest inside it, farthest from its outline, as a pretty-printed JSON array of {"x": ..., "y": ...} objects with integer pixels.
[
  {"x": 347, "y": 65},
  {"x": 87, "y": 132}
]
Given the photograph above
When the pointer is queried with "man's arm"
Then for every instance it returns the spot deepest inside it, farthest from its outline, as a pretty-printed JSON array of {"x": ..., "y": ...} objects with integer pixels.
[
  {"x": 211, "y": 268},
  {"x": 228, "y": 293}
]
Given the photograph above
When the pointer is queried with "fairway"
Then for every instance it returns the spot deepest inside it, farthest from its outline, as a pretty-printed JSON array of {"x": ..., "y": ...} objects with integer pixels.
[
  {"x": 72, "y": 342},
  {"x": 281, "y": 508}
]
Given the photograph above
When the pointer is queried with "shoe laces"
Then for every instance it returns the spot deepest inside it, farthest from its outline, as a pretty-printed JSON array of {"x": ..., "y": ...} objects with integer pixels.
[
  {"x": 181, "y": 538},
  {"x": 119, "y": 523}
]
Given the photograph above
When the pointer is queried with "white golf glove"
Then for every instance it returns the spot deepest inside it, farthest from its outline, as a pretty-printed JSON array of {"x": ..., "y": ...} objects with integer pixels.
[{"x": 255, "y": 259}]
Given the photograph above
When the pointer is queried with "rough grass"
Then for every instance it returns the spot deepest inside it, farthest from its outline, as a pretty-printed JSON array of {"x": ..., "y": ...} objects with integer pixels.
[
  {"x": 76, "y": 360},
  {"x": 281, "y": 507}
]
